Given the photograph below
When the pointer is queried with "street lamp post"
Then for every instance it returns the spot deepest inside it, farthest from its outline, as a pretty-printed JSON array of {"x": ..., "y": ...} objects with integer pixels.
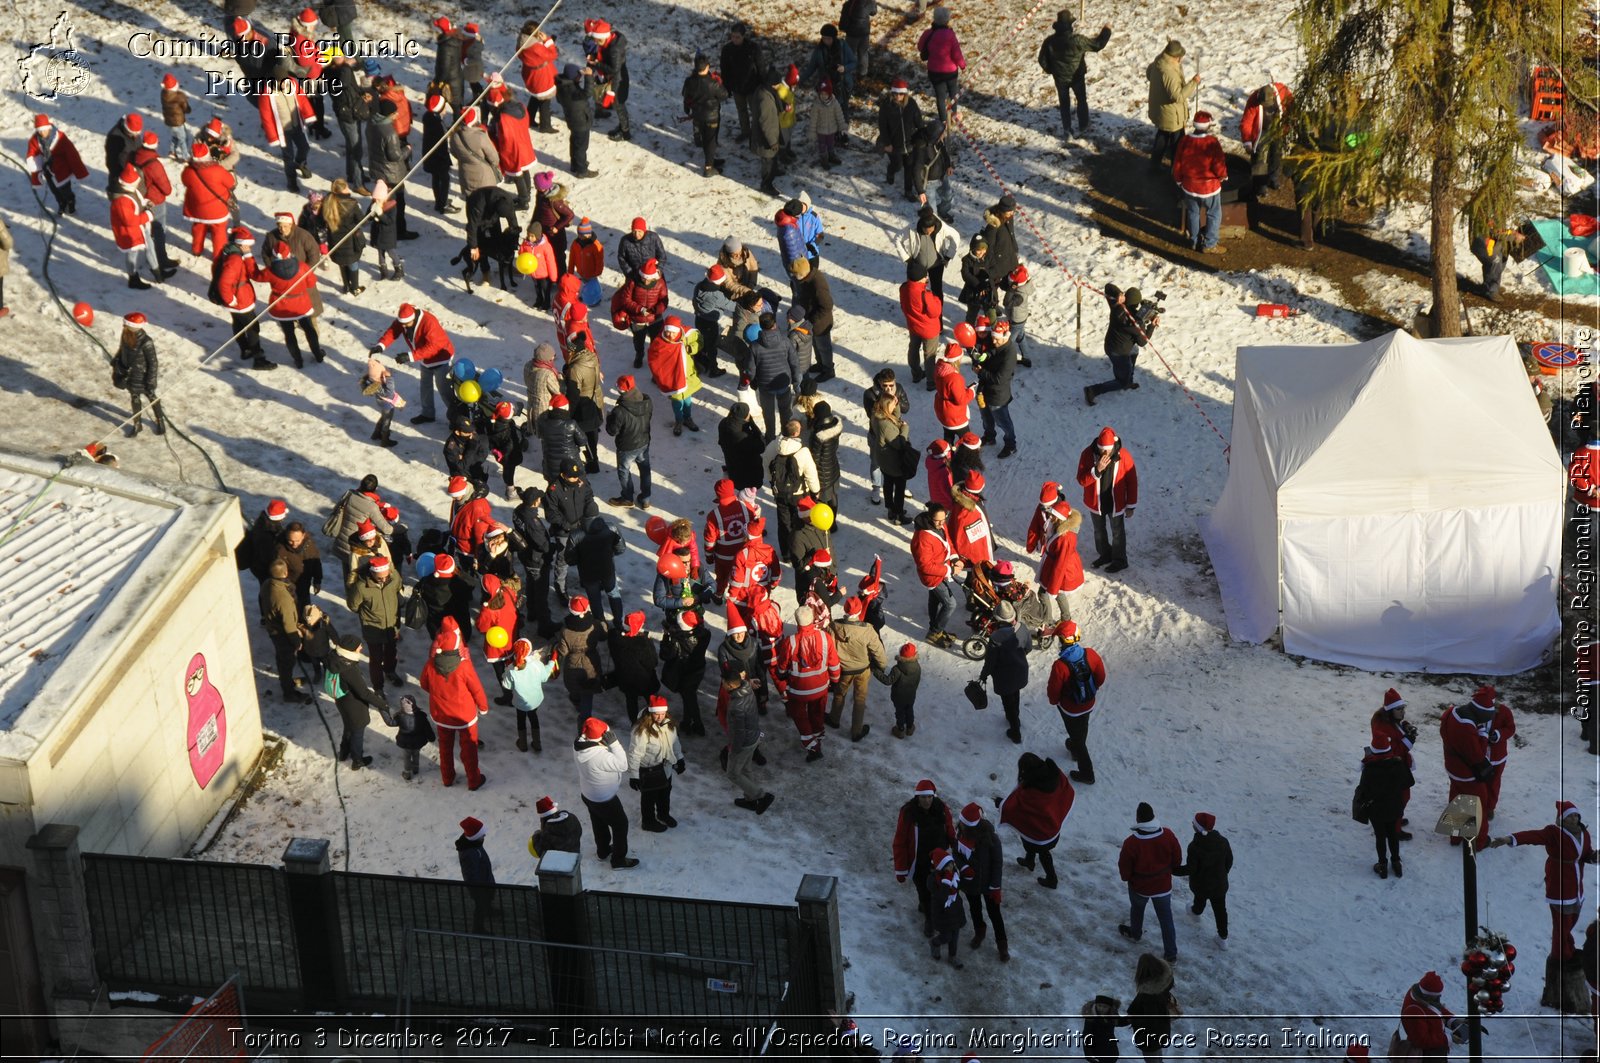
[{"x": 1460, "y": 820}]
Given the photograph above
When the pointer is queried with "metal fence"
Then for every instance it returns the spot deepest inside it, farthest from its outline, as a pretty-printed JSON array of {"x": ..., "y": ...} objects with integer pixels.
[{"x": 179, "y": 926}]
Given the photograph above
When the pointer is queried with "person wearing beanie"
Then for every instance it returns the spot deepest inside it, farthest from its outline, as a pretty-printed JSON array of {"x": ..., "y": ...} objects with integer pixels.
[
  {"x": 1170, "y": 96},
  {"x": 602, "y": 766},
  {"x": 903, "y": 677},
  {"x": 1465, "y": 741},
  {"x": 1063, "y": 56},
  {"x": 832, "y": 58},
  {"x": 1427, "y": 1027},
  {"x": 1150, "y": 856},
  {"x": 899, "y": 122},
  {"x": 413, "y": 731},
  {"x": 1199, "y": 170},
  {"x": 575, "y": 95},
  {"x": 923, "y": 826},
  {"x": 940, "y": 49},
  {"x": 924, "y": 315},
  {"x": 1132, "y": 323},
  {"x": 455, "y": 701},
  {"x": 477, "y": 871},
  {"x": 653, "y": 748},
  {"x": 353, "y": 696},
  {"x": 628, "y": 423},
  {"x": 1005, "y": 661},
  {"x": 1075, "y": 681},
  {"x": 1153, "y": 1005},
  {"x": 1567, "y": 848},
  {"x": 1209, "y": 860},
  {"x": 703, "y": 97},
  {"x": 559, "y": 830},
  {"x": 1110, "y": 483},
  {"x": 280, "y": 615},
  {"x": 638, "y": 246},
  {"x": 804, "y": 669}
]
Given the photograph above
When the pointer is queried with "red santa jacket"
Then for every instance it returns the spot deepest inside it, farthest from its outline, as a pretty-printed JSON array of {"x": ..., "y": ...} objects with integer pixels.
[
  {"x": 1584, "y": 473},
  {"x": 1038, "y": 815},
  {"x": 764, "y": 618},
  {"x": 1501, "y": 728},
  {"x": 1148, "y": 858},
  {"x": 1061, "y": 569},
  {"x": 307, "y": 55},
  {"x": 511, "y": 139},
  {"x": 1252, "y": 123},
  {"x": 455, "y": 697},
  {"x": 907, "y": 833},
  {"x": 207, "y": 191},
  {"x": 470, "y": 522},
  {"x": 969, "y": 533},
  {"x": 288, "y": 288},
  {"x": 924, "y": 311},
  {"x": 1198, "y": 165},
  {"x": 539, "y": 68},
  {"x": 669, "y": 363},
  {"x": 951, "y": 397},
  {"x": 54, "y": 156},
  {"x": 940, "y": 483},
  {"x": 572, "y": 318},
  {"x": 727, "y": 526},
  {"x": 1466, "y": 747},
  {"x": 806, "y": 664},
  {"x": 932, "y": 555},
  {"x": 425, "y": 337},
  {"x": 1061, "y": 683},
  {"x": 504, "y": 617},
  {"x": 637, "y": 304},
  {"x": 1564, "y": 852},
  {"x": 157, "y": 186},
  {"x": 1423, "y": 1024},
  {"x": 1386, "y": 734},
  {"x": 233, "y": 282},
  {"x": 130, "y": 219},
  {"x": 755, "y": 565},
  {"x": 271, "y": 127},
  {"x": 1124, "y": 481}
]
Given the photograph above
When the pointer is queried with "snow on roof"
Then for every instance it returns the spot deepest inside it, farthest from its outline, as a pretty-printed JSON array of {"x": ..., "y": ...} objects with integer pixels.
[{"x": 69, "y": 549}]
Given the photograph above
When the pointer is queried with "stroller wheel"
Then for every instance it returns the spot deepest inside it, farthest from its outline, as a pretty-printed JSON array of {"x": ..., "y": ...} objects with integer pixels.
[
  {"x": 1044, "y": 641},
  {"x": 975, "y": 647}
]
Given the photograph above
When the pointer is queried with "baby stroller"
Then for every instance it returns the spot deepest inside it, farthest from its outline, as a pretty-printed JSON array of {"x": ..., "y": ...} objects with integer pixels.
[{"x": 987, "y": 587}]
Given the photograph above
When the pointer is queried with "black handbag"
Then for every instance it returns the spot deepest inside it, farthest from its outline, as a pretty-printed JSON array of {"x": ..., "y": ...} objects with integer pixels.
[
  {"x": 1530, "y": 244},
  {"x": 977, "y": 695},
  {"x": 654, "y": 777},
  {"x": 1359, "y": 806}
]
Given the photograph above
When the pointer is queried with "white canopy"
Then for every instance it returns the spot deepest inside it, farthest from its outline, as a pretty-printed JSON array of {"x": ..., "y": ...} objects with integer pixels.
[{"x": 1395, "y": 504}]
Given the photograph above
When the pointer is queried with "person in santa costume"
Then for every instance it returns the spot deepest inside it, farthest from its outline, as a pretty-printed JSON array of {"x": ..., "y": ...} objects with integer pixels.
[
  {"x": 1427, "y": 1027},
  {"x": 952, "y": 395},
  {"x": 1386, "y": 782},
  {"x": 672, "y": 367},
  {"x": 130, "y": 228},
  {"x": 1150, "y": 855},
  {"x": 1567, "y": 846},
  {"x": 54, "y": 161},
  {"x": 949, "y": 915},
  {"x": 455, "y": 701},
  {"x": 1110, "y": 491},
  {"x": 804, "y": 669},
  {"x": 1391, "y": 732},
  {"x": 968, "y": 529},
  {"x": 1502, "y": 727},
  {"x": 923, "y": 826},
  {"x": 434, "y": 351},
  {"x": 1464, "y": 734},
  {"x": 1037, "y": 810},
  {"x": 982, "y": 861}
]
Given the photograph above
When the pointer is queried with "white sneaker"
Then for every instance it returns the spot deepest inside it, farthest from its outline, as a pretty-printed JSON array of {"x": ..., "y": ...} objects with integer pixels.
[
  {"x": 877, "y": 497},
  {"x": 1222, "y": 943}
]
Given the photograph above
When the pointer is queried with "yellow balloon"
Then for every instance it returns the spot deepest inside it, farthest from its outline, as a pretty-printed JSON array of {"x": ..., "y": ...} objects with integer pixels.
[
  {"x": 527, "y": 262},
  {"x": 497, "y": 637},
  {"x": 822, "y": 516},
  {"x": 469, "y": 391}
]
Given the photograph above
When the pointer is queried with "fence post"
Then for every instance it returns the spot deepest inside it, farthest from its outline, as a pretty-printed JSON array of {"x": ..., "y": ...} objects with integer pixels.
[
  {"x": 818, "y": 898},
  {"x": 561, "y": 912},
  {"x": 315, "y": 915},
  {"x": 59, "y": 898}
]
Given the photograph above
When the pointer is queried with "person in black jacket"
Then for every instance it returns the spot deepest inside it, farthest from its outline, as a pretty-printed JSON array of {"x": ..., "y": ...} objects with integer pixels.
[
  {"x": 355, "y": 699},
  {"x": 577, "y": 107},
  {"x": 135, "y": 369},
  {"x": 435, "y": 120},
  {"x": 352, "y": 107},
  {"x": 1209, "y": 861},
  {"x": 1385, "y": 784},
  {"x": 826, "y": 431},
  {"x": 532, "y": 544},
  {"x": 1101, "y": 1017},
  {"x": 447, "y": 61},
  {"x": 979, "y": 851},
  {"x": 1062, "y": 56},
  {"x": 1132, "y": 322},
  {"x": 445, "y": 593},
  {"x": 996, "y": 367},
  {"x": 811, "y": 291},
  {"x": 1000, "y": 233},
  {"x": 628, "y": 424},
  {"x": 560, "y": 439},
  {"x": 741, "y": 441},
  {"x": 492, "y": 233},
  {"x": 684, "y": 641},
  {"x": 569, "y": 506},
  {"x": 506, "y": 443},
  {"x": 977, "y": 281},
  {"x": 1006, "y": 662},
  {"x": 465, "y": 452},
  {"x": 899, "y": 119},
  {"x": 476, "y": 871},
  {"x": 742, "y": 66},
  {"x": 634, "y": 662},
  {"x": 471, "y": 60},
  {"x": 1150, "y": 1010},
  {"x": 703, "y": 94},
  {"x": 608, "y": 65},
  {"x": 595, "y": 551},
  {"x": 559, "y": 831}
]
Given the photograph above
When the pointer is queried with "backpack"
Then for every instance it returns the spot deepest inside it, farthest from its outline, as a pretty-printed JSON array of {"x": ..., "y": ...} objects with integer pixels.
[
  {"x": 336, "y": 518},
  {"x": 1080, "y": 687},
  {"x": 787, "y": 483}
]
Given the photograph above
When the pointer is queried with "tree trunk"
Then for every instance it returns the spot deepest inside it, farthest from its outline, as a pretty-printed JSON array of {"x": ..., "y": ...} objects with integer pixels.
[{"x": 1446, "y": 293}]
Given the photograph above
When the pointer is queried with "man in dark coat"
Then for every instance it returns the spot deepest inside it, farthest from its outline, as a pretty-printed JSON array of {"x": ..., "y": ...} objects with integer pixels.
[
  {"x": 559, "y": 831},
  {"x": 978, "y": 850},
  {"x": 628, "y": 423},
  {"x": 766, "y": 137},
  {"x": 531, "y": 540},
  {"x": 1000, "y": 234},
  {"x": 476, "y": 871},
  {"x": 577, "y": 107},
  {"x": 1063, "y": 56},
  {"x": 741, "y": 441},
  {"x": 742, "y": 66},
  {"x": 634, "y": 662},
  {"x": 899, "y": 120},
  {"x": 354, "y": 698},
  {"x": 447, "y": 61},
  {"x": 703, "y": 95},
  {"x": 1209, "y": 861},
  {"x": 560, "y": 439},
  {"x": 609, "y": 67},
  {"x": 435, "y": 120},
  {"x": 996, "y": 368},
  {"x": 1006, "y": 662},
  {"x": 924, "y": 824},
  {"x": 569, "y": 505},
  {"x": 466, "y": 452},
  {"x": 595, "y": 551},
  {"x": 812, "y": 294},
  {"x": 1132, "y": 322}
]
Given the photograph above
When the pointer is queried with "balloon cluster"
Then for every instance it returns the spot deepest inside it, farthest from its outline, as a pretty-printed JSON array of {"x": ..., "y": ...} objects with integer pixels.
[
  {"x": 1488, "y": 966},
  {"x": 472, "y": 384}
]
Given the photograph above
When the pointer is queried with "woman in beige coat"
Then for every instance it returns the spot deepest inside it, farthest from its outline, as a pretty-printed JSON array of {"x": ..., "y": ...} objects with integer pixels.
[{"x": 654, "y": 748}]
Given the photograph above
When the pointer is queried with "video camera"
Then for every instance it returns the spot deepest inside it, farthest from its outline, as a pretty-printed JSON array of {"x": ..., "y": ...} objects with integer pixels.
[{"x": 1149, "y": 308}]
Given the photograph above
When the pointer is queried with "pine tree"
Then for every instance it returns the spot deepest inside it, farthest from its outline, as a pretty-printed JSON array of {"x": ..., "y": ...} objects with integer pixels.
[{"x": 1401, "y": 97}]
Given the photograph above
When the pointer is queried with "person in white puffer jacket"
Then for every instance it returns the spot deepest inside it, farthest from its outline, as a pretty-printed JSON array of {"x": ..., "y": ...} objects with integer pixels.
[{"x": 602, "y": 765}]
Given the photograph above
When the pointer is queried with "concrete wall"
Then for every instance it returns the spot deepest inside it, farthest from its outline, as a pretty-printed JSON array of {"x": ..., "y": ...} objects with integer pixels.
[{"x": 118, "y": 766}]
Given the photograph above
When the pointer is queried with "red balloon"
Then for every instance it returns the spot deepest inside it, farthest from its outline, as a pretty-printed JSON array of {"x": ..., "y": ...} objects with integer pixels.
[
  {"x": 656, "y": 528},
  {"x": 83, "y": 314},
  {"x": 966, "y": 335}
]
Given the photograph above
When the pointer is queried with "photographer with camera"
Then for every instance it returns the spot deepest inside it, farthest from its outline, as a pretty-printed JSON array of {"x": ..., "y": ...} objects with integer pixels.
[{"x": 1132, "y": 321}]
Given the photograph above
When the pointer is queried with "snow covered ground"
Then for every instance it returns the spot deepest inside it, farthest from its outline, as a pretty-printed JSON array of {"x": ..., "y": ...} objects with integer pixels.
[{"x": 1188, "y": 720}]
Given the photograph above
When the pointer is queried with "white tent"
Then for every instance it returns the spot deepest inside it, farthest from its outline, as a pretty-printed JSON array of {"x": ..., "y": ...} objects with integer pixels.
[{"x": 1395, "y": 504}]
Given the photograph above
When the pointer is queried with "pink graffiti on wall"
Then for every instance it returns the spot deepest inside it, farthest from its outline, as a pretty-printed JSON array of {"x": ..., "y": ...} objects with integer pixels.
[{"x": 208, "y": 722}]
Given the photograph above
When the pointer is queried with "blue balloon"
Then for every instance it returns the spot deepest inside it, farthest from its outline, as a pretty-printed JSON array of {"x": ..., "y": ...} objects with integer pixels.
[
  {"x": 491, "y": 379},
  {"x": 463, "y": 369},
  {"x": 752, "y": 333},
  {"x": 424, "y": 565}
]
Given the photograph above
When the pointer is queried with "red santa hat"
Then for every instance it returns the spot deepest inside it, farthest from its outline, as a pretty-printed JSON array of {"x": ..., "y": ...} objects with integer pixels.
[
  {"x": 939, "y": 858},
  {"x": 595, "y": 729},
  {"x": 925, "y": 788},
  {"x": 724, "y": 491},
  {"x": 378, "y": 565},
  {"x": 1067, "y": 631},
  {"x": 546, "y": 807},
  {"x": 633, "y": 623},
  {"x": 389, "y": 512},
  {"x": 599, "y": 29},
  {"x": 241, "y": 26},
  {"x": 1483, "y": 699},
  {"x": 736, "y": 621},
  {"x": 1049, "y": 492},
  {"x": 472, "y": 28},
  {"x": 626, "y": 383},
  {"x": 1062, "y": 509},
  {"x": 1392, "y": 700},
  {"x": 1019, "y": 275},
  {"x": 307, "y": 17},
  {"x": 971, "y": 814},
  {"x": 470, "y": 116},
  {"x": 449, "y": 637},
  {"x": 133, "y": 123},
  {"x": 367, "y": 531},
  {"x": 900, "y": 87},
  {"x": 442, "y": 24},
  {"x": 150, "y": 139},
  {"x": 578, "y": 605},
  {"x": 406, "y": 314},
  {"x": 791, "y": 77},
  {"x": 214, "y": 127},
  {"x": 560, "y": 402},
  {"x": 658, "y": 703},
  {"x": 1431, "y": 983},
  {"x": 134, "y": 320},
  {"x": 458, "y": 487},
  {"x": 688, "y": 620},
  {"x": 973, "y": 484},
  {"x": 952, "y": 353},
  {"x": 129, "y": 178},
  {"x": 503, "y": 411},
  {"x": 805, "y": 503},
  {"x": 473, "y": 828},
  {"x": 444, "y": 566},
  {"x": 277, "y": 214},
  {"x": 1565, "y": 809},
  {"x": 241, "y": 235},
  {"x": 1205, "y": 822},
  {"x": 939, "y": 448},
  {"x": 1002, "y": 327},
  {"x": 822, "y": 558},
  {"x": 909, "y": 650},
  {"x": 491, "y": 585},
  {"x": 41, "y": 121},
  {"x": 436, "y": 103},
  {"x": 716, "y": 274},
  {"x": 971, "y": 441},
  {"x": 1106, "y": 439},
  {"x": 650, "y": 271},
  {"x": 199, "y": 152},
  {"x": 854, "y": 608},
  {"x": 639, "y": 225},
  {"x": 1202, "y": 121},
  {"x": 277, "y": 509}
]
